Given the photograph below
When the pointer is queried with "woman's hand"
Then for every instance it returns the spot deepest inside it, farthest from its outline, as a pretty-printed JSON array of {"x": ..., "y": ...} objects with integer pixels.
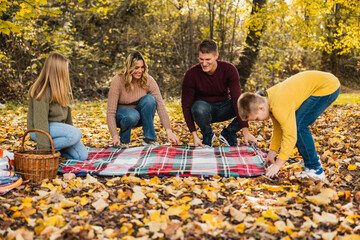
[
  {"x": 171, "y": 136},
  {"x": 115, "y": 142}
]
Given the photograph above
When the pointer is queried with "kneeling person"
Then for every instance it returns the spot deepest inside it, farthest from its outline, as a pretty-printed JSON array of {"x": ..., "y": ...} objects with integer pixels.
[
  {"x": 134, "y": 97},
  {"x": 210, "y": 90},
  {"x": 293, "y": 106}
]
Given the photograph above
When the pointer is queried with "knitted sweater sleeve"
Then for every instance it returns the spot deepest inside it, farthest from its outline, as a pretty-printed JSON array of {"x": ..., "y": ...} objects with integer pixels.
[
  {"x": 155, "y": 92},
  {"x": 113, "y": 98}
]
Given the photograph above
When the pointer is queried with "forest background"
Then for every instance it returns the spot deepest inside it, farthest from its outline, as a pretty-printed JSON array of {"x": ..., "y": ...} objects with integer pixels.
[{"x": 267, "y": 40}]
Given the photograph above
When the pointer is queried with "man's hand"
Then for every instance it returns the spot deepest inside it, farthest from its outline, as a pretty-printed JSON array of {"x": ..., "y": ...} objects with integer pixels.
[
  {"x": 171, "y": 136},
  {"x": 197, "y": 141},
  {"x": 248, "y": 137}
]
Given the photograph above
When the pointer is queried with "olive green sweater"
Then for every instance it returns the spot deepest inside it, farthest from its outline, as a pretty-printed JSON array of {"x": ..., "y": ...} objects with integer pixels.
[{"x": 41, "y": 113}]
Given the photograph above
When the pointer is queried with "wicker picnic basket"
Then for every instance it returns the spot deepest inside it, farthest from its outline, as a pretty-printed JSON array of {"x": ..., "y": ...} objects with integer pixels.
[{"x": 36, "y": 165}]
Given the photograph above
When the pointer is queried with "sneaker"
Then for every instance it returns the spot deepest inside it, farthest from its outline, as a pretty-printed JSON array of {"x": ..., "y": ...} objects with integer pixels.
[
  {"x": 208, "y": 139},
  {"x": 229, "y": 138},
  {"x": 316, "y": 174},
  {"x": 150, "y": 142}
]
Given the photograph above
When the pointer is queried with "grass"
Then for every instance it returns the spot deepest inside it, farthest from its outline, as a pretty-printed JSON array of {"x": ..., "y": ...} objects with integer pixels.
[{"x": 348, "y": 98}]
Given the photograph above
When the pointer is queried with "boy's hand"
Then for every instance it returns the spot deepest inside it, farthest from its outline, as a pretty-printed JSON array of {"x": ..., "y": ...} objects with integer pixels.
[
  {"x": 274, "y": 168},
  {"x": 270, "y": 158}
]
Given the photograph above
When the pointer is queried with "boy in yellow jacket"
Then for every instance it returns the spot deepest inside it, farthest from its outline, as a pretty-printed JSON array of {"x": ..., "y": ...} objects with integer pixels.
[{"x": 293, "y": 106}]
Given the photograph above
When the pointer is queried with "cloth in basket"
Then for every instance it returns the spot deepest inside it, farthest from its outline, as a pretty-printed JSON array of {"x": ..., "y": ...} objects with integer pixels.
[{"x": 234, "y": 161}]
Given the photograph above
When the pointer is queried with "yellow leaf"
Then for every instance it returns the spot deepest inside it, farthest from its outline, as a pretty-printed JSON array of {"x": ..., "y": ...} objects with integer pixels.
[
  {"x": 174, "y": 210},
  {"x": 212, "y": 196},
  {"x": 324, "y": 197},
  {"x": 14, "y": 208},
  {"x": 185, "y": 200},
  {"x": 83, "y": 213},
  {"x": 240, "y": 228},
  {"x": 83, "y": 201},
  {"x": 351, "y": 167},
  {"x": 270, "y": 214},
  {"x": 58, "y": 210},
  {"x": 56, "y": 220},
  {"x": 351, "y": 237},
  {"x": 66, "y": 204},
  {"x": 272, "y": 188},
  {"x": 16, "y": 214}
]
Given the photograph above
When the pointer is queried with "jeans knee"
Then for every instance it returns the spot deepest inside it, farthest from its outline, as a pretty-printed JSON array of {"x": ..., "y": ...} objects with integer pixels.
[
  {"x": 200, "y": 109},
  {"x": 130, "y": 120},
  {"x": 83, "y": 155},
  {"x": 75, "y": 136},
  {"x": 149, "y": 100}
]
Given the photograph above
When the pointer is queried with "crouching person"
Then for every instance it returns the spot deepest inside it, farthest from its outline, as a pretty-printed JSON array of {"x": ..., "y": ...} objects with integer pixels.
[{"x": 293, "y": 105}]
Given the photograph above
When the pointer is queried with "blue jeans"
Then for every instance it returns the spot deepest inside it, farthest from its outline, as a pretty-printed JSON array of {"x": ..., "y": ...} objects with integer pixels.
[
  {"x": 67, "y": 140},
  {"x": 205, "y": 113},
  {"x": 142, "y": 115},
  {"x": 306, "y": 115}
]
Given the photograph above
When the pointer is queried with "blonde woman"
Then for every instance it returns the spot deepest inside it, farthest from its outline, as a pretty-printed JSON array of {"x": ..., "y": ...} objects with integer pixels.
[
  {"x": 134, "y": 97},
  {"x": 49, "y": 109}
]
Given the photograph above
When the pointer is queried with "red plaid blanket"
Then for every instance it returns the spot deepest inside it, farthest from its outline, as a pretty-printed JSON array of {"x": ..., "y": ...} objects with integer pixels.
[{"x": 237, "y": 161}]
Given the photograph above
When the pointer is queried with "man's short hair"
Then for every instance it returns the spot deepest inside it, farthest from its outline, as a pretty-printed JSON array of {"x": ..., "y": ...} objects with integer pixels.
[
  {"x": 208, "y": 46},
  {"x": 247, "y": 104}
]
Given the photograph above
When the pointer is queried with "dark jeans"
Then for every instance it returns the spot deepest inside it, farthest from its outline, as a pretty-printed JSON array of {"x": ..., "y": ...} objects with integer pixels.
[
  {"x": 142, "y": 115},
  {"x": 205, "y": 113},
  {"x": 306, "y": 115}
]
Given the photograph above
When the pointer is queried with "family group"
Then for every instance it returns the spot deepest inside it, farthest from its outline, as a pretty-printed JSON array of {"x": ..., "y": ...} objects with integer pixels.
[{"x": 211, "y": 93}]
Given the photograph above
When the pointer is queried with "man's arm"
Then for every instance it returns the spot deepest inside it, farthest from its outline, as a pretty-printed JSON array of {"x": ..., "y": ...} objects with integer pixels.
[{"x": 187, "y": 100}]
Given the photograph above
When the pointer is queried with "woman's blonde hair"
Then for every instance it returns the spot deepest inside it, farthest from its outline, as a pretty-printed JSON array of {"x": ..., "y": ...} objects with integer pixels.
[
  {"x": 129, "y": 68},
  {"x": 55, "y": 76}
]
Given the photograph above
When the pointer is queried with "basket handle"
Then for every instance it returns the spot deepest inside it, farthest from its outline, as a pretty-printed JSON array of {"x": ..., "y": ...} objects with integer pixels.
[{"x": 40, "y": 131}]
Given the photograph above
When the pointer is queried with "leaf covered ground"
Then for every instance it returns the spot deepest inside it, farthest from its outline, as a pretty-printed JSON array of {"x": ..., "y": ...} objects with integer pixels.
[{"x": 129, "y": 207}]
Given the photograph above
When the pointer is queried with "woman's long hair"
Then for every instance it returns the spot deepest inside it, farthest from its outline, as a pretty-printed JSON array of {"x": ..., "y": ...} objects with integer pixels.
[
  {"x": 129, "y": 68},
  {"x": 55, "y": 76}
]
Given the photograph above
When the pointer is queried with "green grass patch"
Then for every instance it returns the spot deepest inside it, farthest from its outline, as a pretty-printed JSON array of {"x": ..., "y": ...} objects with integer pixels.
[{"x": 348, "y": 98}]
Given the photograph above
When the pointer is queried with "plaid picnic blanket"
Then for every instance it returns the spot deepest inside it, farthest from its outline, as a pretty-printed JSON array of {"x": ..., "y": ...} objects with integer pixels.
[{"x": 236, "y": 161}]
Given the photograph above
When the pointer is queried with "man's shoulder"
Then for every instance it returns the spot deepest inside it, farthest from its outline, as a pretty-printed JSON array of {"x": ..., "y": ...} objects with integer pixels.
[
  {"x": 194, "y": 69},
  {"x": 225, "y": 64}
]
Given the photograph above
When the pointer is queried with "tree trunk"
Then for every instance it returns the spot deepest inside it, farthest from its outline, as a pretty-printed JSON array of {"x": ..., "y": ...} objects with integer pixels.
[
  {"x": 191, "y": 33},
  {"x": 233, "y": 33},
  {"x": 211, "y": 8},
  {"x": 251, "y": 50},
  {"x": 330, "y": 60}
]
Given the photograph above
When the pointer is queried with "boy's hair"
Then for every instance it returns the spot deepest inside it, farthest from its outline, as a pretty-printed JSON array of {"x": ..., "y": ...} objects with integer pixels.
[
  {"x": 208, "y": 46},
  {"x": 247, "y": 104},
  {"x": 55, "y": 77}
]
